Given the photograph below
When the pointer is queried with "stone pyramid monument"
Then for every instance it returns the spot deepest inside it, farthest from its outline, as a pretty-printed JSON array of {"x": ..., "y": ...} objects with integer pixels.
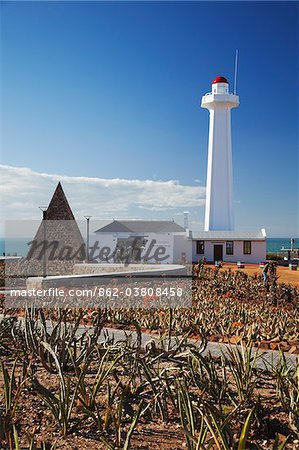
[
  {"x": 58, "y": 238},
  {"x": 59, "y": 208}
]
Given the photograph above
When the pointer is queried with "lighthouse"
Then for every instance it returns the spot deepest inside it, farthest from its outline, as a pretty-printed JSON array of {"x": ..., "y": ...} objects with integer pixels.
[
  {"x": 219, "y": 195},
  {"x": 219, "y": 241}
]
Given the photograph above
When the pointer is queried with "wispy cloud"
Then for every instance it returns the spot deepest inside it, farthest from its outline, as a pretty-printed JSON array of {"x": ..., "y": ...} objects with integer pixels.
[{"x": 22, "y": 190}]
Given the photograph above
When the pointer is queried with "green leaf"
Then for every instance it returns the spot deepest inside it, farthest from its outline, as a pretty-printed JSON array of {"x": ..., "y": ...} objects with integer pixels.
[
  {"x": 219, "y": 430},
  {"x": 16, "y": 439},
  {"x": 245, "y": 431},
  {"x": 133, "y": 425},
  {"x": 107, "y": 443}
]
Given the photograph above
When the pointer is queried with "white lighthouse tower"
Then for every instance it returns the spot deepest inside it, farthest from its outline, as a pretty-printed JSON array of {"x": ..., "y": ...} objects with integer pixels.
[{"x": 219, "y": 197}]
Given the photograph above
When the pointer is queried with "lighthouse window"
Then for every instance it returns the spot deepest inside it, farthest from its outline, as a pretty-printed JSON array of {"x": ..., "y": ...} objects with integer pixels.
[
  {"x": 200, "y": 247},
  {"x": 247, "y": 247},
  {"x": 229, "y": 247}
]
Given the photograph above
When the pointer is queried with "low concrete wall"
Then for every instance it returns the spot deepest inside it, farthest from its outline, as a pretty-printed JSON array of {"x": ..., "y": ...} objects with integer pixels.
[
  {"x": 98, "y": 269},
  {"x": 99, "y": 274}
]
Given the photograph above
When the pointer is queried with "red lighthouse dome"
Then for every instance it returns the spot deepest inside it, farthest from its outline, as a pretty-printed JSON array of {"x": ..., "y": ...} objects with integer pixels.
[{"x": 220, "y": 80}]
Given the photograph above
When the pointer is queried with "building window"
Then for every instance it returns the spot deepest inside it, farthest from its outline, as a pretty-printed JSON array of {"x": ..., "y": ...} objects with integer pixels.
[
  {"x": 247, "y": 247},
  {"x": 230, "y": 247},
  {"x": 200, "y": 247}
]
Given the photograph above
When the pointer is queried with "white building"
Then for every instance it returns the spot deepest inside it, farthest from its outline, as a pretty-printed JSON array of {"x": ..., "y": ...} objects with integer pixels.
[
  {"x": 180, "y": 245},
  {"x": 145, "y": 239},
  {"x": 229, "y": 246}
]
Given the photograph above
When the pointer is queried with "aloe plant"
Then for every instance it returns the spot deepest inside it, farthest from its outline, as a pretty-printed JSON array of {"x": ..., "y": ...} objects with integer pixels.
[
  {"x": 64, "y": 338},
  {"x": 87, "y": 394},
  {"x": 208, "y": 378},
  {"x": 114, "y": 419},
  {"x": 287, "y": 388},
  {"x": 241, "y": 363},
  {"x": 12, "y": 386},
  {"x": 61, "y": 404}
]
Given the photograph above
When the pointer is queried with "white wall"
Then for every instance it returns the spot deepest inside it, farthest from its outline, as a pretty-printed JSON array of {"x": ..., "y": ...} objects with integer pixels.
[
  {"x": 182, "y": 245},
  {"x": 258, "y": 251},
  {"x": 163, "y": 239},
  {"x": 104, "y": 240},
  {"x": 176, "y": 244}
]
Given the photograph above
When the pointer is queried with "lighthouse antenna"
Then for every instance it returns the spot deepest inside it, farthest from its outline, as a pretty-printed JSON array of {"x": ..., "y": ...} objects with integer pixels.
[{"x": 236, "y": 71}]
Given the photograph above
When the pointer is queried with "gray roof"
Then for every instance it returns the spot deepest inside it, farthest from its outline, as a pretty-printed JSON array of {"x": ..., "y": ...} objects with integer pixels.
[
  {"x": 141, "y": 226},
  {"x": 230, "y": 235}
]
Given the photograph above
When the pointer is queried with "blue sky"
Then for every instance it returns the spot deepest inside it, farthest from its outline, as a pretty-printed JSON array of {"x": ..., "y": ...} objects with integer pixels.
[{"x": 112, "y": 90}]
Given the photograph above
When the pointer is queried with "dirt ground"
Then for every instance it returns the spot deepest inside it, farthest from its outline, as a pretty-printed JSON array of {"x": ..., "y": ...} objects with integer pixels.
[{"x": 285, "y": 275}]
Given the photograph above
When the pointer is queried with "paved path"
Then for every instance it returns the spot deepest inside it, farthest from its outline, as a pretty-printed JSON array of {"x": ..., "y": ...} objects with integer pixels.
[{"x": 266, "y": 359}]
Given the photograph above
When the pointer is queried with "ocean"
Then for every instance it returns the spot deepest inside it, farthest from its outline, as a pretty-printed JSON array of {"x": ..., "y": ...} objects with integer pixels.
[
  {"x": 12, "y": 247},
  {"x": 276, "y": 244},
  {"x": 20, "y": 246}
]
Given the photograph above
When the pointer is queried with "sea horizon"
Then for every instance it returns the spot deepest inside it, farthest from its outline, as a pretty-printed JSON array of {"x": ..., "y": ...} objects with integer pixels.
[{"x": 19, "y": 246}]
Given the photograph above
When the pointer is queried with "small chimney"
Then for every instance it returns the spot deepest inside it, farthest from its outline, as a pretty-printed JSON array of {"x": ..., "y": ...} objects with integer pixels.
[{"x": 186, "y": 220}]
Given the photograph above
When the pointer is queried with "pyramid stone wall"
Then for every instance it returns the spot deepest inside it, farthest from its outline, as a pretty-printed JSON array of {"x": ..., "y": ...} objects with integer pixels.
[{"x": 63, "y": 238}]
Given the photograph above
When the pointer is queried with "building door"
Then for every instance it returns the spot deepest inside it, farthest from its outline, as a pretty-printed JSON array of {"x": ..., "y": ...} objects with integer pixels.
[{"x": 218, "y": 252}]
